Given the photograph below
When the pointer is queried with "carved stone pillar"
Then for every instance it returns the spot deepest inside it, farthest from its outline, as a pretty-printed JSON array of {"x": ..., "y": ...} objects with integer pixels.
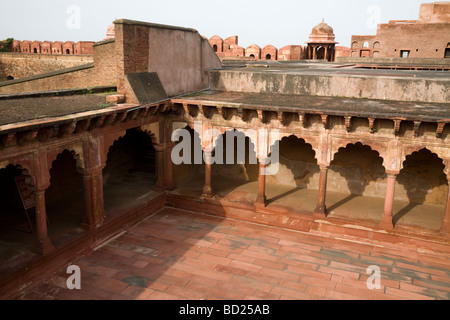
[
  {"x": 445, "y": 228},
  {"x": 44, "y": 244},
  {"x": 94, "y": 201},
  {"x": 208, "y": 191},
  {"x": 170, "y": 182},
  {"x": 159, "y": 185},
  {"x": 387, "y": 220},
  {"x": 321, "y": 208},
  {"x": 261, "y": 198}
]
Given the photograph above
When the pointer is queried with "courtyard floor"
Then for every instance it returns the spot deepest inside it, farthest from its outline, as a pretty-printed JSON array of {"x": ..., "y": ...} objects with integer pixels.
[{"x": 176, "y": 254}]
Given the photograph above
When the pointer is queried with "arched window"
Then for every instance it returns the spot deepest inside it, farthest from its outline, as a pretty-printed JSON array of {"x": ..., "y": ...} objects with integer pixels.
[
  {"x": 215, "y": 48},
  {"x": 252, "y": 56},
  {"x": 355, "y": 45},
  {"x": 9, "y": 78},
  {"x": 366, "y": 44},
  {"x": 376, "y": 45},
  {"x": 35, "y": 50},
  {"x": 67, "y": 51},
  {"x": 268, "y": 56}
]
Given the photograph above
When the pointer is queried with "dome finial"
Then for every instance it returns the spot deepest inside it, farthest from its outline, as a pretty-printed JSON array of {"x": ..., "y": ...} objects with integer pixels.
[{"x": 323, "y": 20}]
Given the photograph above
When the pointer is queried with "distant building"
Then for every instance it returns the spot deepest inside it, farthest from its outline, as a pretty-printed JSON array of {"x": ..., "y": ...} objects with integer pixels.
[{"x": 427, "y": 37}]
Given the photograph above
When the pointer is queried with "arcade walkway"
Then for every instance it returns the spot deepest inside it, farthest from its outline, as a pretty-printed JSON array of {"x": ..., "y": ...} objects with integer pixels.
[{"x": 176, "y": 254}]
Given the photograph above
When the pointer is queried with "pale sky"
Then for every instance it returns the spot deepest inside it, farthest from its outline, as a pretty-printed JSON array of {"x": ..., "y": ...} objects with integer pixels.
[{"x": 261, "y": 22}]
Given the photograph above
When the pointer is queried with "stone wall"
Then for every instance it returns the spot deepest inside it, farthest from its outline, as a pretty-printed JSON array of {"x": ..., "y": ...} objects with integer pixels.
[
  {"x": 180, "y": 56},
  {"x": 100, "y": 73},
  {"x": 20, "y": 65},
  {"x": 352, "y": 86}
]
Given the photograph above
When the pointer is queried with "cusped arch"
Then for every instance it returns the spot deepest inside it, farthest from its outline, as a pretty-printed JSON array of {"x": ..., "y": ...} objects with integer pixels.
[
  {"x": 409, "y": 152},
  {"x": 76, "y": 151},
  {"x": 77, "y": 155},
  {"x": 151, "y": 134},
  {"x": 251, "y": 134},
  {"x": 308, "y": 141},
  {"x": 336, "y": 147}
]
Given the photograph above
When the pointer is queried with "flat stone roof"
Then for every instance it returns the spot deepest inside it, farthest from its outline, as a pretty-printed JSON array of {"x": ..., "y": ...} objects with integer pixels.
[
  {"x": 15, "y": 110},
  {"x": 340, "y": 106}
]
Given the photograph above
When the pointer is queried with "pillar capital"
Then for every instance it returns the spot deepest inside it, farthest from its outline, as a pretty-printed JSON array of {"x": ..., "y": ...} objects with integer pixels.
[{"x": 392, "y": 173}]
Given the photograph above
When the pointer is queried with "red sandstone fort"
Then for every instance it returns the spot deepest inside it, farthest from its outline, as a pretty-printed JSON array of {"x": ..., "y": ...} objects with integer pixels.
[{"x": 363, "y": 137}]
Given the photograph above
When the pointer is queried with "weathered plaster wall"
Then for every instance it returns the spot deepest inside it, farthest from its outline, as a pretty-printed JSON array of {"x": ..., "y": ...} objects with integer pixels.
[{"x": 384, "y": 88}]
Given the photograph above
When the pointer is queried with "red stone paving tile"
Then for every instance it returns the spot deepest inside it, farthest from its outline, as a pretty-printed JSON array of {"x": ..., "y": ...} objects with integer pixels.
[
  {"x": 261, "y": 255},
  {"x": 363, "y": 293},
  {"x": 431, "y": 284},
  {"x": 229, "y": 292},
  {"x": 279, "y": 274},
  {"x": 300, "y": 264},
  {"x": 227, "y": 248},
  {"x": 172, "y": 280},
  {"x": 140, "y": 264},
  {"x": 245, "y": 266},
  {"x": 289, "y": 294},
  {"x": 398, "y": 255},
  {"x": 199, "y": 263},
  {"x": 252, "y": 283},
  {"x": 163, "y": 296},
  {"x": 318, "y": 282},
  {"x": 240, "y": 257},
  {"x": 426, "y": 291},
  {"x": 213, "y": 274},
  {"x": 261, "y": 295},
  {"x": 117, "y": 251},
  {"x": 444, "y": 280},
  {"x": 308, "y": 272},
  {"x": 307, "y": 258},
  {"x": 93, "y": 292},
  {"x": 410, "y": 273},
  {"x": 271, "y": 264},
  {"x": 337, "y": 278},
  {"x": 158, "y": 286},
  {"x": 231, "y": 270},
  {"x": 214, "y": 259},
  {"x": 137, "y": 293},
  {"x": 299, "y": 245},
  {"x": 119, "y": 297},
  {"x": 229, "y": 259},
  {"x": 335, "y": 295},
  {"x": 315, "y": 291},
  {"x": 109, "y": 284},
  {"x": 347, "y": 267},
  {"x": 285, "y": 250},
  {"x": 383, "y": 296},
  {"x": 199, "y": 242},
  {"x": 301, "y": 287},
  {"x": 426, "y": 270},
  {"x": 407, "y": 294},
  {"x": 186, "y": 293},
  {"x": 345, "y": 274}
]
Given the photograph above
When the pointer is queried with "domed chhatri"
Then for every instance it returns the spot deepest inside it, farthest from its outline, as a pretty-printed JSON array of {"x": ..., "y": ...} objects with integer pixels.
[
  {"x": 322, "y": 33},
  {"x": 322, "y": 29},
  {"x": 321, "y": 44}
]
